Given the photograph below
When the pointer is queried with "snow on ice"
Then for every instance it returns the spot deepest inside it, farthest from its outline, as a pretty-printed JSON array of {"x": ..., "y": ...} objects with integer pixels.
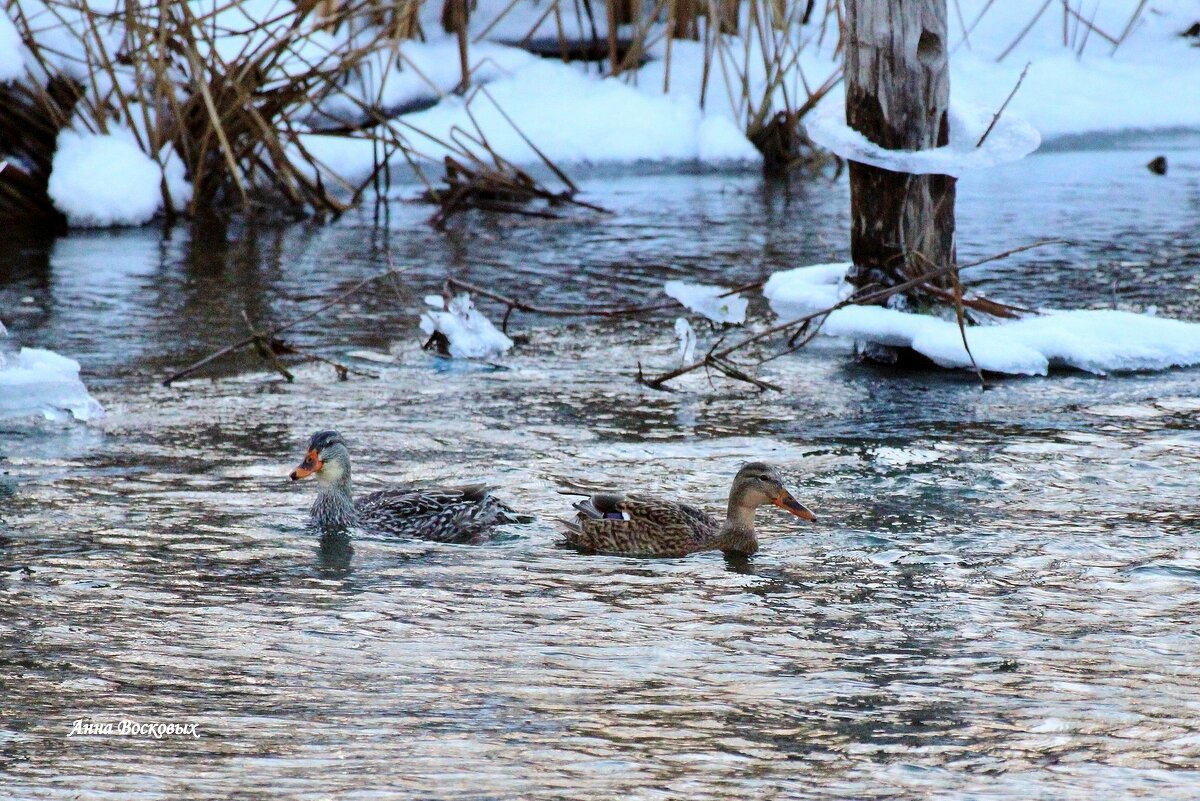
[
  {"x": 38, "y": 381},
  {"x": 12, "y": 64},
  {"x": 1094, "y": 340},
  {"x": 1010, "y": 140},
  {"x": 471, "y": 335},
  {"x": 711, "y": 301}
]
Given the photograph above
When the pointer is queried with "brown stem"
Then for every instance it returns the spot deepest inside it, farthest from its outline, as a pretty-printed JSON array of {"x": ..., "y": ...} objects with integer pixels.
[{"x": 1003, "y": 106}]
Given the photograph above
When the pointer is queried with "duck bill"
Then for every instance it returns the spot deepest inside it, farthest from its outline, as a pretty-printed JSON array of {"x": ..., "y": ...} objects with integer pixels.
[
  {"x": 311, "y": 464},
  {"x": 787, "y": 503}
]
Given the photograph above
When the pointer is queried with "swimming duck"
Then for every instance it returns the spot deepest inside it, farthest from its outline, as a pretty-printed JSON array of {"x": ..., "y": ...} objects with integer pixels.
[
  {"x": 633, "y": 524},
  {"x": 442, "y": 514}
]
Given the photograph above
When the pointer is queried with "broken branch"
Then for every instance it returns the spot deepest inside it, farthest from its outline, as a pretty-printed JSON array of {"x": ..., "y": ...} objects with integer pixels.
[{"x": 712, "y": 357}]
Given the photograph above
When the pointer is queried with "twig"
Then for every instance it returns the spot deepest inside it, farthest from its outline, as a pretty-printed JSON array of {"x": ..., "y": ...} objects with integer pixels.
[
  {"x": 1004, "y": 105},
  {"x": 985, "y": 305},
  {"x": 860, "y": 300},
  {"x": 1023, "y": 32},
  {"x": 265, "y": 347},
  {"x": 743, "y": 288},
  {"x": 250, "y": 340},
  {"x": 960, "y": 316},
  {"x": 1090, "y": 24},
  {"x": 1133, "y": 18}
]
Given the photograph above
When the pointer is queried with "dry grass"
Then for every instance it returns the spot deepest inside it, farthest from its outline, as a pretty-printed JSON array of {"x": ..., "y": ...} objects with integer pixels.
[
  {"x": 226, "y": 93},
  {"x": 222, "y": 94}
]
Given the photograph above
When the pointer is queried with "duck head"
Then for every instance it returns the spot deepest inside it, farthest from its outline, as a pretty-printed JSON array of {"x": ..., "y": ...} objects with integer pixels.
[
  {"x": 327, "y": 459},
  {"x": 758, "y": 484}
]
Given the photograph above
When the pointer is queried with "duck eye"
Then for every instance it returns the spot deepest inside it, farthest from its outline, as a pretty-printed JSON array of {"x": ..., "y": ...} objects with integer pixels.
[{"x": 764, "y": 477}]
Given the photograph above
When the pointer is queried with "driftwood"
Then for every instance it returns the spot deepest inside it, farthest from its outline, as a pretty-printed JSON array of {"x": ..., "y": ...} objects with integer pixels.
[
  {"x": 809, "y": 325},
  {"x": 269, "y": 346}
]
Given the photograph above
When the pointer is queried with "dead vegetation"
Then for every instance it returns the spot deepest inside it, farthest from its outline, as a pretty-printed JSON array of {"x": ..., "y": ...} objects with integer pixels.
[
  {"x": 478, "y": 177},
  {"x": 218, "y": 91},
  {"x": 799, "y": 332},
  {"x": 220, "y": 95}
]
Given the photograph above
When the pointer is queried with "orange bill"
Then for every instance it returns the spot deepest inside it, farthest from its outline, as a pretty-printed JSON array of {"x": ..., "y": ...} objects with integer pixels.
[
  {"x": 311, "y": 464},
  {"x": 786, "y": 502}
]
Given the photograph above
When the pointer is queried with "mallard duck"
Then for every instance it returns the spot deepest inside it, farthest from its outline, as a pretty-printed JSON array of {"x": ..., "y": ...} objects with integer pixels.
[
  {"x": 442, "y": 514},
  {"x": 633, "y": 524}
]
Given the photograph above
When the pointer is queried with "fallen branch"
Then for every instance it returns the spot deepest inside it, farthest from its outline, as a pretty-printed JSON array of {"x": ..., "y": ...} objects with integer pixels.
[
  {"x": 267, "y": 349},
  {"x": 713, "y": 357},
  {"x": 270, "y": 334}
]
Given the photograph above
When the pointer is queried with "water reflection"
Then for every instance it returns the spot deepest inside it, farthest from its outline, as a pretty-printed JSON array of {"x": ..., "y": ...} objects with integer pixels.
[
  {"x": 334, "y": 555},
  {"x": 996, "y": 602}
]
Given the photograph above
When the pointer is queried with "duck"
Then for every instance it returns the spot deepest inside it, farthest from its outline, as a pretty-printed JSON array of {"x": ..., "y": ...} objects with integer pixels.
[
  {"x": 637, "y": 524},
  {"x": 441, "y": 514}
]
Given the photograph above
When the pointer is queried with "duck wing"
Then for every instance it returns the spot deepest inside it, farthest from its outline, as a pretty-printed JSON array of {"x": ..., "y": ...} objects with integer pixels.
[
  {"x": 634, "y": 524},
  {"x": 441, "y": 514}
]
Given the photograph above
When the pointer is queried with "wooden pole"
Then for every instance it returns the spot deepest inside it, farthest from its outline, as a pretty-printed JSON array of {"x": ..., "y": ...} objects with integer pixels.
[{"x": 898, "y": 96}]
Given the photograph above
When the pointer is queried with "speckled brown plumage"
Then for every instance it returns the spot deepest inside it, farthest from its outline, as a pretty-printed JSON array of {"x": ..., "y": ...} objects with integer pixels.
[
  {"x": 443, "y": 514},
  {"x": 638, "y": 524}
]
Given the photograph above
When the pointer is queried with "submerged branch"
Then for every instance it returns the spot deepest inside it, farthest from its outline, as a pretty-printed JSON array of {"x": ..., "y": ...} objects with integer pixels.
[{"x": 258, "y": 337}]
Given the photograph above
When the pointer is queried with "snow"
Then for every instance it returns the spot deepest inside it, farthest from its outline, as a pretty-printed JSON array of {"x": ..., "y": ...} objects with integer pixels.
[
  {"x": 43, "y": 382},
  {"x": 1137, "y": 86},
  {"x": 573, "y": 117},
  {"x": 415, "y": 72},
  {"x": 688, "y": 108},
  {"x": 1066, "y": 92},
  {"x": 1010, "y": 140},
  {"x": 713, "y": 302},
  {"x": 1093, "y": 340},
  {"x": 471, "y": 335},
  {"x": 804, "y": 290},
  {"x": 101, "y": 180},
  {"x": 12, "y": 64},
  {"x": 576, "y": 116}
]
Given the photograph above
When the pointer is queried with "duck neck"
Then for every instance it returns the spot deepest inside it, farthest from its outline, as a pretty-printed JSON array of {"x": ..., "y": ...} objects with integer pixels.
[
  {"x": 334, "y": 507},
  {"x": 737, "y": 532}
]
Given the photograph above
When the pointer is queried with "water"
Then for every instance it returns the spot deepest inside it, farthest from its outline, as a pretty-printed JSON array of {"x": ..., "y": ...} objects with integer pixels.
[{"x": 999, "y": 601}]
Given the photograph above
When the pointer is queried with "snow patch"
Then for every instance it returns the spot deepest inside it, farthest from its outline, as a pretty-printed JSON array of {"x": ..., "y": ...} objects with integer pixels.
[
  {"x": 43, "y": 382},
  {"x": 471, "y": 335},
  {"x": 1094, "y": 340},
  {"x": 713, "y": 302},
  {"x": 100, "y": 180},
  {"x": 1010, "y": 140}
]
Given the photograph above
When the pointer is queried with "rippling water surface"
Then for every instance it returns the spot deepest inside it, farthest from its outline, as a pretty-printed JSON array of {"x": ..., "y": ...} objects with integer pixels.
[{"x": 1000, "y": 599}]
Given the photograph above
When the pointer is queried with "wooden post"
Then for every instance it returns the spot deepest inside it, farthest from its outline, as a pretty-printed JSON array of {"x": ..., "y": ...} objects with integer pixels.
[{"x": 897, "y": 95}]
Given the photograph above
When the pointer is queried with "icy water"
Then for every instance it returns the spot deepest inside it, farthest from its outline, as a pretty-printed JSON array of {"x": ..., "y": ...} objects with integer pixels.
[{"x": 1000, "y": 600}]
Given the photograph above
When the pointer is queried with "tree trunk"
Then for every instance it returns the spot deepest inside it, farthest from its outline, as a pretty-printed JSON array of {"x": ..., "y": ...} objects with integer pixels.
[{"x": 897, "y": 95}]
